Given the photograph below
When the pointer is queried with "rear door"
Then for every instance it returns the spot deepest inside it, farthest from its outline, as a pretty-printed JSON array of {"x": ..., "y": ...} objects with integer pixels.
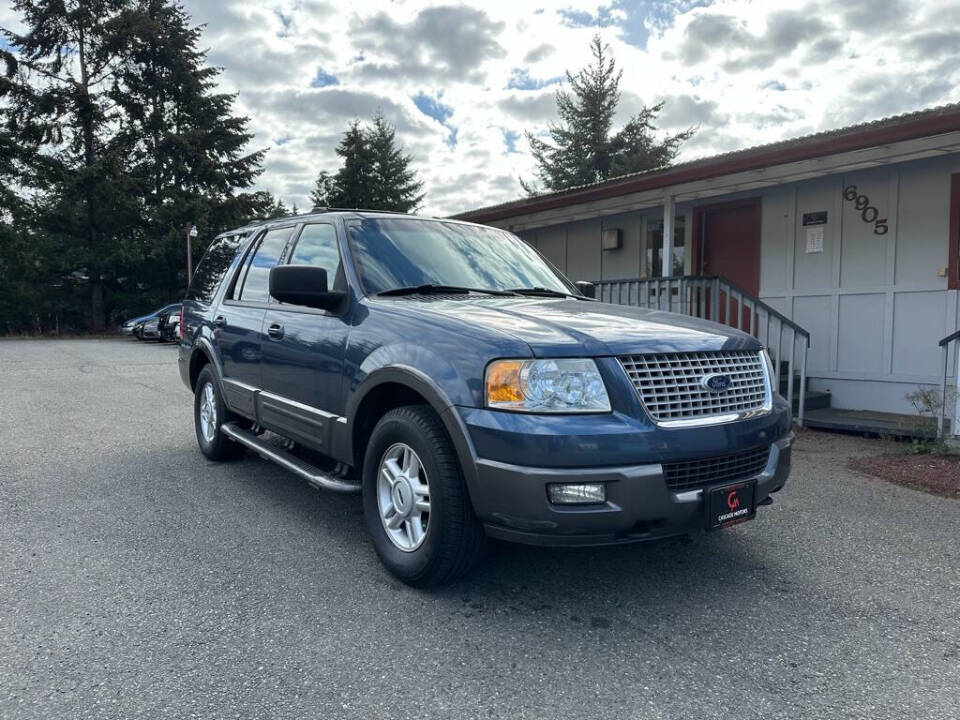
[
  {"x": 239, "y": 320},
  {"x": 303, "y": 349}
]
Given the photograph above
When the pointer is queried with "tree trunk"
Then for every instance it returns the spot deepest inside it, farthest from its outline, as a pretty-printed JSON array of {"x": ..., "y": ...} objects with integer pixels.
[{"x": 98, "y": 319}]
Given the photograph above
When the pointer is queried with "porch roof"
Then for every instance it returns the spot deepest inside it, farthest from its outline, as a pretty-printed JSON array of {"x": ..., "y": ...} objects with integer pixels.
[{"x": 881, "y": 133}]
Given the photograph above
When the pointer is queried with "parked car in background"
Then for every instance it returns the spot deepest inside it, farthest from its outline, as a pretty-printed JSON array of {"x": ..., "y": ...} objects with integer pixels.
[
  {"x": 450, "y": 374},
  {"x": 150, "y": 329},
  {"x": 168, "y": 324},
  {"x": 130, "y": 326}
]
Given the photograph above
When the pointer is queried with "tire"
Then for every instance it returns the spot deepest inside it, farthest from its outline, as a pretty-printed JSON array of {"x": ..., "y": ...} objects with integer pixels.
[
  {"x": 453, "y": 540},
  {"x": 215, "y": 445}
]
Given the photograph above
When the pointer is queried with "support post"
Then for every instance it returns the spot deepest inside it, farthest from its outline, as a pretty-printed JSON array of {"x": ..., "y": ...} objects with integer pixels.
[
  {"x": 943, "y": 390},
  {"x": 189, "y": 254},
  {"x": 954, "y": 423},
  {"x": 669, "y": 210}
]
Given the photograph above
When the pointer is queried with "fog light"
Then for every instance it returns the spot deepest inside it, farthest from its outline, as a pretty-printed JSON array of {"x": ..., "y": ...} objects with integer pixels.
[{"x": 577, "y": 493}]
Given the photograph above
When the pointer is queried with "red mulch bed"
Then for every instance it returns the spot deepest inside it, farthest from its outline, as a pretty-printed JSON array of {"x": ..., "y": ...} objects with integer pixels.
[{"x": 937, "y": 474}]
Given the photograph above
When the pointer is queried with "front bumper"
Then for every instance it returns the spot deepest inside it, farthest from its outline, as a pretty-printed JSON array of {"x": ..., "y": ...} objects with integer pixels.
[{"x": 640, "y": 506}]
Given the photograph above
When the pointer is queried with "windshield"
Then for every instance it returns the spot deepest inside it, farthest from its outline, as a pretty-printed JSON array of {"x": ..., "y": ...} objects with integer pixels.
[{"x": 393, "y": 253}]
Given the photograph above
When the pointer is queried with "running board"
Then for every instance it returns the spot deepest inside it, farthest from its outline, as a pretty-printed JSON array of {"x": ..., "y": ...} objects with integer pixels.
[{"x": 313, "y": 475}]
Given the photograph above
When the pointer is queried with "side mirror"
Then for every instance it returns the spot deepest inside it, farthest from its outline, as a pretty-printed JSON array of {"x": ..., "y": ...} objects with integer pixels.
[
  {"x": 587, "y": 289},
  {"x": 304, "y": 285}
]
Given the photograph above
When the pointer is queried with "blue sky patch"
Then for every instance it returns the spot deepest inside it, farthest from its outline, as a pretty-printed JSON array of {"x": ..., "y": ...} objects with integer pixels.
[
  {"x": 520, "y": 80},
  {"x": 640, "y": 17},
  {"x": 452, "y": 138},
  {"x": 286, "y": 21},
  {"x": 773, "y": 85},
  {"x": 323, "y": 79},
  {"x": 582, "y": 18},
  {"x": 282, "y": 140},
  {"x": 432, "y": 107},
  {"x": 510, "y": 138}
]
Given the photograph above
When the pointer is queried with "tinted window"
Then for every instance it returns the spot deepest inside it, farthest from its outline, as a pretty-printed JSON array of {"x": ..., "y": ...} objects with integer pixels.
[
  {"x": 403, "y": 252},
  {"x": 318, "y": 246},
  {"x": 215, "y": 263},
  {"x": 255, "y": 284}
]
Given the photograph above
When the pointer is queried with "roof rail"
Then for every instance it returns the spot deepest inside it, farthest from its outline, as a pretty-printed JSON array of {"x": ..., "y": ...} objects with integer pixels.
[{"x": 322, "y": 209}]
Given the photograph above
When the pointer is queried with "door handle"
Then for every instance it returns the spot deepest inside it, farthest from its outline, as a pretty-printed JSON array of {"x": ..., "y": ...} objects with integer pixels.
[
  {"x": 275, "y": 331},
  {"x": 220, "y": 321}
]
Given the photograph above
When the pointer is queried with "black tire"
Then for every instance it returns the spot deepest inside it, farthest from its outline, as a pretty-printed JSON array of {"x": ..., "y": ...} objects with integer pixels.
[
  {"x": 219, "y": 447},
  {"x": 454, "y": 541}
]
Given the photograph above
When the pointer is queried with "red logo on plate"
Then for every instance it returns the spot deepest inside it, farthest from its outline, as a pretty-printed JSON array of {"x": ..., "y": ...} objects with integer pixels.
[{"x": 733, "y": 502}]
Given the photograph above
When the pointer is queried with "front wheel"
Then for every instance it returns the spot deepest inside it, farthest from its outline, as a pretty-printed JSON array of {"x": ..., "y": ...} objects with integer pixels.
[
  {"x": 209, "y": 414},
  {"x": 415, "y": 501}
]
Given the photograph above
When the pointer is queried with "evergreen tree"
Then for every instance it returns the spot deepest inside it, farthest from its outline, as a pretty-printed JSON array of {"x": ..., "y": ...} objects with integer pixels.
[
  {"x": 393, "y": 184},
  {"x": 582, "y": 150},
  {"x": 375, "y": 174},
  {"x": 67, "y": 61},
  {"x": 353, "y": 180},
  {"x": 187, "y": 148},
  {"x": 324, "y": 192}
]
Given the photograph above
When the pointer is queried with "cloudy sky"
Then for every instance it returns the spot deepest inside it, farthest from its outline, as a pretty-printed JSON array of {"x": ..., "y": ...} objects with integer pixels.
[{"x": 462, "y": 82}]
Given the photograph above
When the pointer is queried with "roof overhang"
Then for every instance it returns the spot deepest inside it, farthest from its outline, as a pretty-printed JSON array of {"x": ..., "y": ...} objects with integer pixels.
[{"x": 738, "y": 172}]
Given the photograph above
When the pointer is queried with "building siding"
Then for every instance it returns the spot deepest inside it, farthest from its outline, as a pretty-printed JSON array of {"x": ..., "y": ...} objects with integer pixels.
[{"x": 874, "y": 304}]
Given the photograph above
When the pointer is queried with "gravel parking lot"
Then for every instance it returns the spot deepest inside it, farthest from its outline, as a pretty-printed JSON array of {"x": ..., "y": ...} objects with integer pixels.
[{"x": 138, "y": 579}]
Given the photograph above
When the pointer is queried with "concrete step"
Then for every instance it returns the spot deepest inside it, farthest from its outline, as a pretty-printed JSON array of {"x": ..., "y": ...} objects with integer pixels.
[{"x": 815, "y": 400}]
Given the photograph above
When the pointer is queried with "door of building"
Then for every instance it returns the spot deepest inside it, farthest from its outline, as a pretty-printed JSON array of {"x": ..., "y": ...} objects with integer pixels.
[{"x": 727, "y": 243}]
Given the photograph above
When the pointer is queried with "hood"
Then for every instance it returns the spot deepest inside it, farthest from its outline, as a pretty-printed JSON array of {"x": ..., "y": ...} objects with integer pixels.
[{"x": 564, "y": 327}]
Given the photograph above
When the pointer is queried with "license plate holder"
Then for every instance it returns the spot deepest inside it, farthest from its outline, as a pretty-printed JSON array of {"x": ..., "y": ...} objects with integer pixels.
[{"x": 730, "y": 504}]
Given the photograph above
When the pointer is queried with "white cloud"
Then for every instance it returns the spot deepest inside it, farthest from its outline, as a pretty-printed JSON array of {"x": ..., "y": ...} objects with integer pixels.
[{"x": 746, "y": 72}]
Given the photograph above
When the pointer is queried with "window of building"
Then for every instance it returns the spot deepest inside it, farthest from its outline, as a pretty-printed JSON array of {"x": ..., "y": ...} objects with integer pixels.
[{"x": 654, "y": 258}]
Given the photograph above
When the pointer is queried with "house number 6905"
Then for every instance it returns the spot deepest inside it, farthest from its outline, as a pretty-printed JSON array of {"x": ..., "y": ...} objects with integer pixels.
[{"x": 868, "y": 213}]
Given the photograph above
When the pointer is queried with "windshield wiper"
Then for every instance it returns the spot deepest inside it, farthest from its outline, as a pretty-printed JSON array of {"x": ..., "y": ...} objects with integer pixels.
[
  {"x": 435, "y": 288},
  {"x": 541, "y": 292}
]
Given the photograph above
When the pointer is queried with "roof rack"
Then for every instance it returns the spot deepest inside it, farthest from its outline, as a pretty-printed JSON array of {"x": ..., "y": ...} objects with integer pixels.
[{"x": 323, "y": 209}]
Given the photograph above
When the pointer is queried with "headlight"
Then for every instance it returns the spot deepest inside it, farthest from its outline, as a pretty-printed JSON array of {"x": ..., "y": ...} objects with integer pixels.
[{"x": 546, "y": 386}]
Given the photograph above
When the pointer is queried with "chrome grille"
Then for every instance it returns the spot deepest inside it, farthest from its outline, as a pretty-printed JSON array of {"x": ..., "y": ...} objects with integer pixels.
[
  {"x": 669, "y": 384},
  {"x": 692, "y": 474}
]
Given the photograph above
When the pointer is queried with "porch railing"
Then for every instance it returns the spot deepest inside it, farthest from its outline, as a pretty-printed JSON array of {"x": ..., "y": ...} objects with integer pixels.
[
  {"x": 716, "y": 298},
  {"x": 944, "y": 351}
]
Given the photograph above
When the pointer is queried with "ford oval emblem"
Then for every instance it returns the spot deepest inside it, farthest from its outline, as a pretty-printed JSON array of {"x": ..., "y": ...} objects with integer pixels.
[{"x": 718, "y": 382}]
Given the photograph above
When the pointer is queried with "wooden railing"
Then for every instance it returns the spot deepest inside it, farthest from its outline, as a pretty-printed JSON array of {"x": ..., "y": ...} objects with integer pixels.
[
  {"x": 944, "y": 351},
  {"x": 716, "y": 298}
]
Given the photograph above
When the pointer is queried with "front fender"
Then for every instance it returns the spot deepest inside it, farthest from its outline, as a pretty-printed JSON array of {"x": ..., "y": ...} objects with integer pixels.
[{"x": 373, "y": 375}]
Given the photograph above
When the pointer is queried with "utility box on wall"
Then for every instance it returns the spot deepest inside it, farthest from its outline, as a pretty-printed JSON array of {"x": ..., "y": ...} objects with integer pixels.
[{"x": 612, "y": 239}]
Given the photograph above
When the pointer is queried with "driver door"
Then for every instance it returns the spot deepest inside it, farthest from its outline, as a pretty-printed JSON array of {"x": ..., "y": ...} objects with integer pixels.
[{"x": 303, "y": 349}]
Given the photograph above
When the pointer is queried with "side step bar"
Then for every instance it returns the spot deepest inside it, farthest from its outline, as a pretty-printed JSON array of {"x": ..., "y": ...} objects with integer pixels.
[{"x": 313, "y": 475}]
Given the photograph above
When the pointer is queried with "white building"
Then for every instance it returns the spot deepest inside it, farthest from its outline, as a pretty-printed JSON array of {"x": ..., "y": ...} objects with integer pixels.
[{"x": 853, "y": 234}]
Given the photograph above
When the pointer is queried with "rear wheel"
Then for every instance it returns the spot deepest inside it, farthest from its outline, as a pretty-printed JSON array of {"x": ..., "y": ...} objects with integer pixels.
[
  {"x": 209, "y": 414},
  {"x": 415, "y": 501}
]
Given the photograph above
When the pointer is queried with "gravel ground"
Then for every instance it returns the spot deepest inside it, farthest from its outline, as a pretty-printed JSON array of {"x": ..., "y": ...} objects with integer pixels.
[{"x": 138, "y": 580}]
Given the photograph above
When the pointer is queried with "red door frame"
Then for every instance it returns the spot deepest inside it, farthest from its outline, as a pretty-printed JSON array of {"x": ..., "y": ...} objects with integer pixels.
[
  {"x": 745, "y": 319},
  {"x": 699, "y": 213}
]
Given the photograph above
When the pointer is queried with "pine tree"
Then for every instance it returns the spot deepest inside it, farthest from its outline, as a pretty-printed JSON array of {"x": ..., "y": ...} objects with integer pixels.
[
  {"x": 353, "y": 179},
  {"x": 375, "y": 174},
  {"x": 582, "y": 150},
  {"x": 394, "y": 185},
  {"x": 324, "y": 193},
  {"x": 67, "y": 61},
  {"x": 187, "y": 148}
]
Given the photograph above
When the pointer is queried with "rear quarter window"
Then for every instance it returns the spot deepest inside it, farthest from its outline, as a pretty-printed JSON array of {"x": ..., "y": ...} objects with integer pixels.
[{"x": 214, "y": 265}]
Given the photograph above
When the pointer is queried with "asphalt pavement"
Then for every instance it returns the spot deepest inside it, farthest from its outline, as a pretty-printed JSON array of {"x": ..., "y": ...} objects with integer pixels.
[{"x": 139, "y": 580}]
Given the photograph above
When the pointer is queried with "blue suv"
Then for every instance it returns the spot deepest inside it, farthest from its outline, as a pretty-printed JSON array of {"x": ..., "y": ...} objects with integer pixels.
[{"x": 452, "y": 376}]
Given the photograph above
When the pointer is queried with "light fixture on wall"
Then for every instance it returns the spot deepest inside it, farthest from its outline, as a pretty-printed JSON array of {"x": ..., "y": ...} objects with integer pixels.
[{"x": 612, "y": 239}]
